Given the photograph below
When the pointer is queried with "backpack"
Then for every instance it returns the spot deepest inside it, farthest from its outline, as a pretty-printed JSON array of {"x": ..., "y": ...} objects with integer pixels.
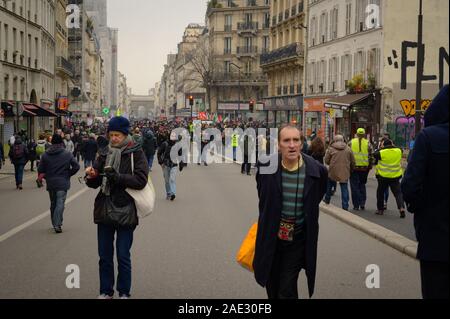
[
  {"x": 18, "y": 151},
  {"x": 40, "y": 149}
]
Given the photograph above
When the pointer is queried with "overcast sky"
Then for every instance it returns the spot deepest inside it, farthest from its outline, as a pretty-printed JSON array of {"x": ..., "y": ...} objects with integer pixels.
[{"x": 148, "y": 31}]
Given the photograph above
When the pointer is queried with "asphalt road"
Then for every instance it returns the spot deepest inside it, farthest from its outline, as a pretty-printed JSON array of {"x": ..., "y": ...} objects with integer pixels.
[{"x": 186, "y": 249}]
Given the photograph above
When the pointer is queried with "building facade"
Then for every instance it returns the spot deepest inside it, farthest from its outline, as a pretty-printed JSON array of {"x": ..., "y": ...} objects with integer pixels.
[
  {"x": 27, "y": 66},
  {"x": 357, "y": 50},
  {"x": 238, "y": 34},
  {"x": 189, "y": 80},
  {"x": 284, "y": 63}
]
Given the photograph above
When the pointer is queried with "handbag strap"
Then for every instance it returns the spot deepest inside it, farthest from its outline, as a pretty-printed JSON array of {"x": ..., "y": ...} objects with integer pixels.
[{"x": 132, "y": 164}]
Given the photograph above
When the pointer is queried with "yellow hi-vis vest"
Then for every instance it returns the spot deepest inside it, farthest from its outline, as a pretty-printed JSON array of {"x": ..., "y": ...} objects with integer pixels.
[
  {"x": 390, "y": 165},
  {"x": 235, "y": 140},
  {"x": 361, "y": 157},
  {"x": 191, "y": 128}
]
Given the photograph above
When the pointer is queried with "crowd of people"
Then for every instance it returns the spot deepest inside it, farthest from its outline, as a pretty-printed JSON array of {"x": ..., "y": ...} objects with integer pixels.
[{"x": 120, "y": 155}]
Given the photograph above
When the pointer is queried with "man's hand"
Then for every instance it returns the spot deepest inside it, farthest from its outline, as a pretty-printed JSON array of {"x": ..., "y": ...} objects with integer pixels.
[{"x": 91, "y": 172}]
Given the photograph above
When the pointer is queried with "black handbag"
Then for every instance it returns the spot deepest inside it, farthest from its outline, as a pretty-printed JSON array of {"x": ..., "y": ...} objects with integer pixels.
[{"x": 111, "y": 214}]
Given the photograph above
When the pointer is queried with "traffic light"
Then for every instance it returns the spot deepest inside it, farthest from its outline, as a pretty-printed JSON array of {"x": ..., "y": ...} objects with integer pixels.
[
  {"x": 252, "y": 106},
  {"x": 191, "y": 100}
]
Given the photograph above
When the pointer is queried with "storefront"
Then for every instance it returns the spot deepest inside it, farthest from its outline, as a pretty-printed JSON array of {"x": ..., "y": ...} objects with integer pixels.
[
  {"x": 358, "y": 110},
  {"x": 7, "y": 123},
  {"x": 318, "y": 119},
  {"x": 36, "y": 118},
  {"x": 234, "y": 110},
  {"x": 282, "y": 110}
]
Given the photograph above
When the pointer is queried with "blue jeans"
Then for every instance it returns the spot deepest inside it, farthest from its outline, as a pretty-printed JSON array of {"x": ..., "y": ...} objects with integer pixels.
[
  {"x": 344, "y": 194},
  {"x": 170, "y": 175},
  {"x": 105, "y": 236},
  {"x": 150, "y": 159},
  {"x": 358, "y": 181},
  {"x": 18, "y": 171},
  {"x": 234, "y": 153},
  {"x": 57, "y": 201}
]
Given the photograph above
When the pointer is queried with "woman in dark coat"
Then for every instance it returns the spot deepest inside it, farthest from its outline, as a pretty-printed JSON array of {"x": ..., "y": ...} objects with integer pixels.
[
  {"x": 18, "y": 154},
  {"x": 113, "y": 173},
  {"x": 317, "y": 149},
  {"x": 270, "y": 205}
]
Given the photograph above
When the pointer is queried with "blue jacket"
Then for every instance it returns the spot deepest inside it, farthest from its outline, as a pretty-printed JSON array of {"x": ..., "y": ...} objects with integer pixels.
[
  {"x": 425, "y": 185},
  {"x": 59, "y": 166}
]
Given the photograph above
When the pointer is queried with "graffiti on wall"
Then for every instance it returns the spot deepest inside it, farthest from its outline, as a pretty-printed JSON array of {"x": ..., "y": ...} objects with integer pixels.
[
  {"x": 407, "y": 62},
  {"x": 409, "y": 107}
]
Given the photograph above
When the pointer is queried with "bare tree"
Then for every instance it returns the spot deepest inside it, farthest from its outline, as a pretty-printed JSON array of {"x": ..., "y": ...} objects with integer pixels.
[{"x": 202, "y": 66}]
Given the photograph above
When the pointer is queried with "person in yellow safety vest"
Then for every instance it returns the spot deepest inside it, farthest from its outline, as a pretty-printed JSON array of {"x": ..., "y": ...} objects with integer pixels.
[
  {"x": 362, "y": 150},
  {"x": 234, "y": 144},
  {"x": 390, "y": 171}
]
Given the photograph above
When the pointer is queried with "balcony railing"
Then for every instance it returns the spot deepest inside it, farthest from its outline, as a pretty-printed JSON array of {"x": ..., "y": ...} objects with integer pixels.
[
  {"x": 291, "y": 51},
  {"x": 64, "y": 65},
  {"x": 247, "y": 50},
  {"x": 248, "y": 26},
  {"x": 227, "y": 51},
  {"x": 244, "y": 77},
  {"x": 251, "y": 3}
]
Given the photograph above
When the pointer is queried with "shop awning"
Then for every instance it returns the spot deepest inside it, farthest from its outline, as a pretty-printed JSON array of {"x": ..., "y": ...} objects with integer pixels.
[
  {"x": 36, "y": 110},
  {"x": 62, "y": 112},
  {"x": 8, "y": 108},
  {"x": 346, "y": 101}
]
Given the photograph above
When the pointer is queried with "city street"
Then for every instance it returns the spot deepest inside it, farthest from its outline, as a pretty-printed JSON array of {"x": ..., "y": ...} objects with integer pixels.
[{"x": 186, "y": 249}]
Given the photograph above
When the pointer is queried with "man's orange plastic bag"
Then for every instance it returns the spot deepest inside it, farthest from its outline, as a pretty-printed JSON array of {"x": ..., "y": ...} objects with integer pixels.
[{"x": 246, "y": 253}]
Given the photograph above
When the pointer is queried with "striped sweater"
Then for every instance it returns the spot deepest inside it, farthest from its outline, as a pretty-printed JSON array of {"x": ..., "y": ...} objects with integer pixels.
[{"x": 289, "y": 184}]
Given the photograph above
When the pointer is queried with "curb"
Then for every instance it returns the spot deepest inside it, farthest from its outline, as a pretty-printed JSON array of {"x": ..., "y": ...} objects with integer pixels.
[{"x": 386, "y": 236}]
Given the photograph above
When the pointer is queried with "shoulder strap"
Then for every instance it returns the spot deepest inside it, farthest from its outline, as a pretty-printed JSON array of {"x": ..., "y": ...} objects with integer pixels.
[{"x": 132, "y": 163}]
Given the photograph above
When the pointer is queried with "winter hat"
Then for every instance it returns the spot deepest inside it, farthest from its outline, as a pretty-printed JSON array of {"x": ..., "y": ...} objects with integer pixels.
[
  {"x": 57, "y": 139},
  {"x": 119, "y": 124},
  {"x": 388, "y": 142}
]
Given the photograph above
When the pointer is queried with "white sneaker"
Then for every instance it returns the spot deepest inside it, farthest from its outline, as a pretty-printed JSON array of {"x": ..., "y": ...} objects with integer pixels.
[
  {"x": 104, "y": 296},
  {"x": 124, "y": 297}
]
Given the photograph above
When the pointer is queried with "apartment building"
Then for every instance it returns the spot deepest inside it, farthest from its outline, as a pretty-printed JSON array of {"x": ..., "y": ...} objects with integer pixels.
[
  {"x": 189, "y": 81},
  {"x": 27, "y": 65},
  {"x": 365, "y": 38},
  {"x": 238, "y": 33},
  {"x": 284, "y": 63}
]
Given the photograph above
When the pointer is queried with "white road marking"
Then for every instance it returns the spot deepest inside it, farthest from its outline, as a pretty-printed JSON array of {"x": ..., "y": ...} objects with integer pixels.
[{"x": 36, "y": 219}]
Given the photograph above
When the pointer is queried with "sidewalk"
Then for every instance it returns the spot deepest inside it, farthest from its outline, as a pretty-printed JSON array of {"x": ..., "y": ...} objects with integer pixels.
[{"x": 8, "y": 170}]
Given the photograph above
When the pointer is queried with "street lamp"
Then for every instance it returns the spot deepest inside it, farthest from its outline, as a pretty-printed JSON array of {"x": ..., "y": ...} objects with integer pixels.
[
  {"x": 305, "y": 73},
  {"x": 420, "y": 66},
  {"x": 239, "y": 85}
]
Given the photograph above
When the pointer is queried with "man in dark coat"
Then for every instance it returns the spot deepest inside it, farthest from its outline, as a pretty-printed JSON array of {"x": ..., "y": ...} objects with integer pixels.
[
  {"x": 18, "y": 153},
  {"x": 57, "y": 166},
  {"x": 90, "y": 149},
  {"x": 149, "y": 145},
  {"x": 425, "y": 188},
  {"x": 287, "y": 237}
]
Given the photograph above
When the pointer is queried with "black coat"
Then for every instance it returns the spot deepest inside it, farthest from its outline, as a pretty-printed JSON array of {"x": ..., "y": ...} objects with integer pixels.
[
  {"x": 22, "y": 160},
  {"x": 59, "y": 166},
  {"x": 137, "y": 181},
  {"x": 149, "y": 144},
  {"x": 425, "y": 185},
  {"x": 270, "y": 204},
  {"x": 90, "y": 149}
]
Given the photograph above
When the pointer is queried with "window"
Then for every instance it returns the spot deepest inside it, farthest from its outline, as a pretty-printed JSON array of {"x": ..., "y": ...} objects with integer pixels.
[
  {"x": 248, "y": 67},
  {"x": 227, "y": 46},
  {"x": 266, "y": 44},
  {"x": 346, "y": 70},
  {"x": 313, "y": 32},
  {"x": 333, "y": 74},
  {"x": 348, "y": 17},
  {"x": 227, "y": 66},
  {"x": 228, "y": 22},
  {"x": 360, "y": 15},
  {"x": 266, "y": 20},
  {"x": 323, "y": 27},
  {"x": 373, "y": 64},
  {"x": 334, "y": 24}
]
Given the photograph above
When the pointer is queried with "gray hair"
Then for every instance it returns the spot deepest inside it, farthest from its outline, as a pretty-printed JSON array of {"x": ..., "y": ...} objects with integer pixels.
[{"x": 338, "y": 138}]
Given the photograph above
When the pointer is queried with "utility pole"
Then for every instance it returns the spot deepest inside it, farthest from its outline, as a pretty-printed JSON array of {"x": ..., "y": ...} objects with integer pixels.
[{"x": 420, "y": 67}]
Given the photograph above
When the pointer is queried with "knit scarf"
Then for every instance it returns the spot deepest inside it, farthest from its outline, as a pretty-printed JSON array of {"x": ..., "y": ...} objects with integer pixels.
[{"x": 113, "y": 159}]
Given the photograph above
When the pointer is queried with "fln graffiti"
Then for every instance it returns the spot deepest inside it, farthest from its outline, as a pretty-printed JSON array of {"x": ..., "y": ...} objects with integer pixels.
[{"x": 407, "y": 63}]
